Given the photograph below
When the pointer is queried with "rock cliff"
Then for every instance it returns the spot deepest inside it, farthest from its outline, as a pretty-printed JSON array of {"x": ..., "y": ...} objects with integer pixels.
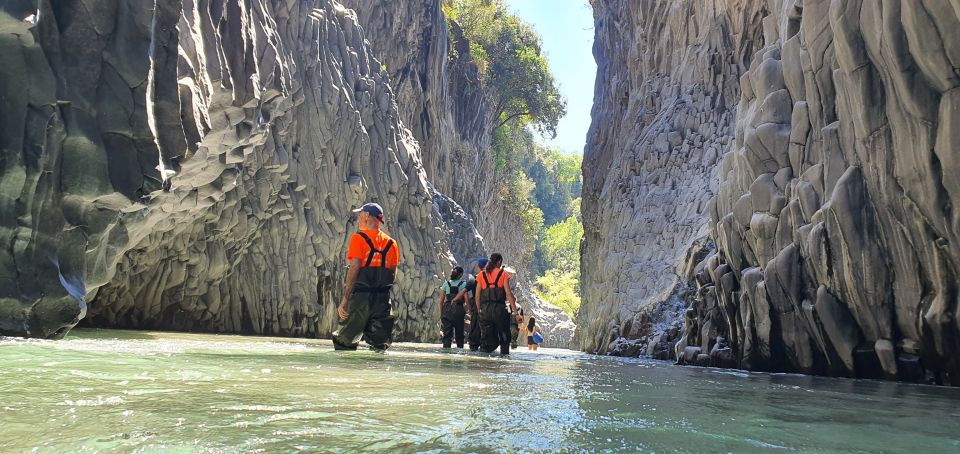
[
  {"x": 836, "y": 237},
  {"x": 191, "y": 165},
  {"x": 664, "y": 108},
  {"x": 267, "y": 121}
]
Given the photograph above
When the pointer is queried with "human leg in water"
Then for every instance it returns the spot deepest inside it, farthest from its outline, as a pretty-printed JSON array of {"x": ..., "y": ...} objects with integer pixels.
[
  {"x": 458, "y": 330},
  {"x": 514, "y": 332},
  {"x": 447, "y": 327},
  {"x": 378, "y": 332},
  {"x": 473, "y": 336},
  {"x": 347, "y": 336},
  {"x": 489, "y": 332},
  {"x": 504, "y": 328}
]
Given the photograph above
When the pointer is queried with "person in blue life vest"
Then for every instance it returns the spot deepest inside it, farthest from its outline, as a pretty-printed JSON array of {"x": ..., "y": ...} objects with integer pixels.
[
  {"x": 365, "y": 307},
  {"x": 452, "y": 297},
  {"x": 493, "y": 295}
]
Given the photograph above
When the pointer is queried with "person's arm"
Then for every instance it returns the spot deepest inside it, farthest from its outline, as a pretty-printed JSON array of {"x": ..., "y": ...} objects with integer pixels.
[
  {"x": 477, "y": 298},
  {"x": 440, "y": 297},
  {"x": 512, "y": 300},
  {"x": 462, "y": 294},
  {"x": 344, "y": 308}
]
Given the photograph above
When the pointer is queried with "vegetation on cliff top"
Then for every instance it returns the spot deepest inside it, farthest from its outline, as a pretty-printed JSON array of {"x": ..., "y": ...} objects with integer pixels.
[{"x": 541, "y": 186}]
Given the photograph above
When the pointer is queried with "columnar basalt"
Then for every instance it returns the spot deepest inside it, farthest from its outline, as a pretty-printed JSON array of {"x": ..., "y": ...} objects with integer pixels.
[
  {"x": 268, "y": 121},
  {"x": 664, "y": 107},
  {"x": 837, "y": 238},
  {"x": 191, "y": 165},
  {"x": 836, "y": 242}
]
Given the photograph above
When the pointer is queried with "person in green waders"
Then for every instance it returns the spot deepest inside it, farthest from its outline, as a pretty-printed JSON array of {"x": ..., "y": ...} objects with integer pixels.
[
  {"x": 473, "y": 334},
  {"x": 453, "y": 295},
  {"x": 364, "y": 308},
  {"x": 493, "y": 295}
]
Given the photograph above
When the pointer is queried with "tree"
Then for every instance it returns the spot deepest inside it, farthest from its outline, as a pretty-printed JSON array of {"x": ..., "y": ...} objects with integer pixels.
[
  {"x": 561, "y": 245},
  {"x": 513, "y": 67}
]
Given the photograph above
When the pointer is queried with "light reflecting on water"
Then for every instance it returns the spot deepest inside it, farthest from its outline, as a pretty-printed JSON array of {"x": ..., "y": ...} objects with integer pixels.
[{"x": 173, "y": 392}]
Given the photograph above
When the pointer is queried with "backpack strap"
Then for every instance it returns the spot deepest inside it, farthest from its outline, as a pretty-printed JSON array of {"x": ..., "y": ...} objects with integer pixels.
[
  {"x": 496, "y": 282},
  {"x": 374, "y": 250}
]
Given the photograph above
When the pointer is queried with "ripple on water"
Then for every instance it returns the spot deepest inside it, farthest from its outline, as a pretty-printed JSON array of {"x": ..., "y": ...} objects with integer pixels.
[{"x": 194, "y": 393}]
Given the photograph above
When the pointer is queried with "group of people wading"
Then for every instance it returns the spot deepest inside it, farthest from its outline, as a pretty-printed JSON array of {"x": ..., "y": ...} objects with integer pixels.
[
  {"x": 365, "y": 307},
  {"x": 485, "y": 298}
]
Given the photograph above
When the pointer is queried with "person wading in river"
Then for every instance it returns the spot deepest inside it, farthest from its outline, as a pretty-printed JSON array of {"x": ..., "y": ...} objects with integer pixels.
[
  {"x": 534, "y": 336},
  {"x": 364, "y": 309},
  {"x": 473, "y": 335},
  {"x": 453, "y": 294},
  {"x": 493, "y": 293}
]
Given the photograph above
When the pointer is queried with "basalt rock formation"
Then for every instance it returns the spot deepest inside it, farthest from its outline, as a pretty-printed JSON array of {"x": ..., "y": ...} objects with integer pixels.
[
  {"x": 191, "y": 165},
  {"x": 664, "y": 107},
  {"x": 834, "y": 223},
  {"x": 269, "y": 122}
]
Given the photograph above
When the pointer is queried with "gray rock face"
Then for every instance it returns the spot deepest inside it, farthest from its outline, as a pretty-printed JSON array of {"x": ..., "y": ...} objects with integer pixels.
[
  {"x": 267, "y": 122},
  {"x": 854, "y": 107},
  {"x": 837, "y": 244},
  {"x": 277, "y": 121},
  {"x": 663, "y": 115}
]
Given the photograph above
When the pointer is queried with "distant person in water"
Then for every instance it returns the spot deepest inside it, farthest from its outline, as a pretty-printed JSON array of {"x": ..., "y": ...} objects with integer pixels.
[
  {"x": 453, "y": 295},
  {"x": 515, "y": 321},
  {"x": 534, "y": 336},
  {"x": 493, "y": 295},
  {"x": 473, "y": 334},
  {"x": 365, "y": 306}
]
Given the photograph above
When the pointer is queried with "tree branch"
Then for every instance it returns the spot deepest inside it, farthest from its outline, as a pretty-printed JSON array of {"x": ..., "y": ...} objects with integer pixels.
[{"x": 511, "y": 117}]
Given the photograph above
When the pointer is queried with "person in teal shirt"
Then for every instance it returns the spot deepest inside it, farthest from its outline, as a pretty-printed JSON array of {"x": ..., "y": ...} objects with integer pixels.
[{"x": 453, "y": 295}]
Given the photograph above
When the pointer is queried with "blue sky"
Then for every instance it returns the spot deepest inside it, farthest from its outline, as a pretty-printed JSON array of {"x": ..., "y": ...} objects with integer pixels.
[{"x": 567, "y": 30}]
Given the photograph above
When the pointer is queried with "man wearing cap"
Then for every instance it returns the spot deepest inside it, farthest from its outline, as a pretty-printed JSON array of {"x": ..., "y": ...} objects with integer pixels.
[{"x": 364, "y": 309}]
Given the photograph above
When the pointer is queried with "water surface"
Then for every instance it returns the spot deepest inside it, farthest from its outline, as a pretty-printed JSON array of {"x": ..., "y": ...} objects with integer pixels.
[{"x": 123, "y": 391}]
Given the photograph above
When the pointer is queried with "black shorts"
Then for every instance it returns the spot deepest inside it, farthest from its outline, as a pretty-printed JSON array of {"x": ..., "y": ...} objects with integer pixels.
[{"x": 530, "y": 340}]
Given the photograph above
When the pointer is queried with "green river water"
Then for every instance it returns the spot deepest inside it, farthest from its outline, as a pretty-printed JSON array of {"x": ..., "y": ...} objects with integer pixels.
[{"x": 126, "y": 391}]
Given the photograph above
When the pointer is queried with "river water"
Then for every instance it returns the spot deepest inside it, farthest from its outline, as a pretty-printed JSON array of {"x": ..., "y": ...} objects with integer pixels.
[{"x": 123, "y": 391}]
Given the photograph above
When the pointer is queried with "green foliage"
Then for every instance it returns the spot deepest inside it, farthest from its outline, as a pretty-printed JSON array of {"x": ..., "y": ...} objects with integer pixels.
[
  {"x": 561, "y": 244},
  {"x": 512, "y": 65},
  {"x": 541, "y": 186},
  {"x": 561, "y": 289}
]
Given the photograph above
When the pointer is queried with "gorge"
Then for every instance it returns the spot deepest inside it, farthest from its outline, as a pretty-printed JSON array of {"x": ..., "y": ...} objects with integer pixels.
[{"x": 767, "y": 184}]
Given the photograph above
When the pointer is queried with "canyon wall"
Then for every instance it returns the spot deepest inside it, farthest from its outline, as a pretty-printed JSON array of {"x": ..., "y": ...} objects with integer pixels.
[
  {"x": 837, "y": 237},
  {"x": 836, "y": 241},
  {"x": 663, "y": 114},
  {"x": 191, "y": 165},
  {"x": 266, "y": 121}
]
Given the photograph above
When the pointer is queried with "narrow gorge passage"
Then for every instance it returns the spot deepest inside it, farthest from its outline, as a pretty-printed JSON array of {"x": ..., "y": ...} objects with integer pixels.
[{"x": 765, "y": 193}]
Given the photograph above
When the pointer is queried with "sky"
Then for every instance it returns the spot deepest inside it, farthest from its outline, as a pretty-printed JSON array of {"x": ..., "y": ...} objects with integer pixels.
[{"x": 566, "y": 27}]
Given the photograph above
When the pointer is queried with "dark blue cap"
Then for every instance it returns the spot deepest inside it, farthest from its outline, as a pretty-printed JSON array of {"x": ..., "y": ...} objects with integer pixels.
[
  {"x": 374, "y": 209},
  {"x": 482, "y": 262}
]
